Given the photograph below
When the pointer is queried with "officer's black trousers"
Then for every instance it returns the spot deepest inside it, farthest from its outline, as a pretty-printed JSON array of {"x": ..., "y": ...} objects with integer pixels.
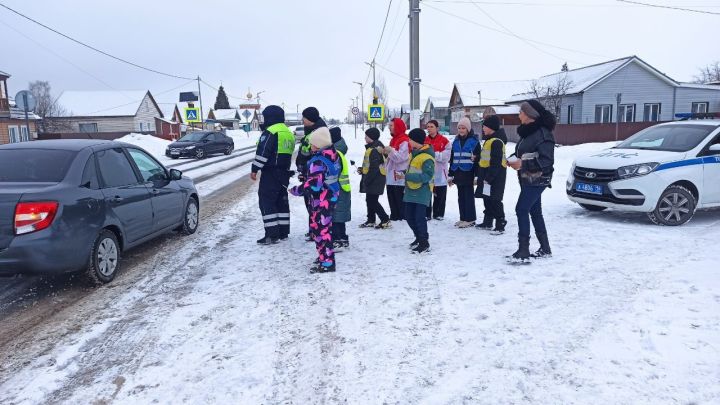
[{"x": 274, "y": 206}]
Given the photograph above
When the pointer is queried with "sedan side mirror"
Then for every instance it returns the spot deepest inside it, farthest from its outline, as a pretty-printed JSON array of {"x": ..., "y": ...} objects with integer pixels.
[
  {"x": 715, "y": 149},
  {"x": 175, "y": 174}
]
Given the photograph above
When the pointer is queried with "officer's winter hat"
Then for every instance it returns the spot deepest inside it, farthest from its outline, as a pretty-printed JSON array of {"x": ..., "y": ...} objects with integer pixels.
[
  {"x": 311, "y": 114},
  {"x": 335, "y": 135},
  {"x": 492, "y": 122},
  {"x": 373, "y": 133},
  {"x": 417, "y": 135},
  {"x": 272, "y": 115},
  {"x": 321, "y": 138}
]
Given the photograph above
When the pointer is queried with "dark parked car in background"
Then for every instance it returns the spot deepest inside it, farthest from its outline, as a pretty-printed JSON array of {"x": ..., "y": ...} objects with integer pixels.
[
  {"x": 200, "y": 145},
  {"x": 74, "y": 205}
]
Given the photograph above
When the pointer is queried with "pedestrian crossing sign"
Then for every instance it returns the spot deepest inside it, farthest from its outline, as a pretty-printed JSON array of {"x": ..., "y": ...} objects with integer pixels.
[
  {"x": 376, "y": 113},
  {"x": 192, "y": 114}
]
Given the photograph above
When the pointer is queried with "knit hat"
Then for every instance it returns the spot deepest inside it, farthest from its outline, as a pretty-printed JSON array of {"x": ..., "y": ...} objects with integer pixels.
[
  {"x": 417, "y": 135},
  {"x": 311, "y": 114},
  {"x": 492, "y": 122},
  {"x": 320, "y": 138},
  {"x": 465, "y": 121},
  {"x": 272, "y": 115},
  {"x": 531, "y": 108},
  {"x": 373, "y": 133},
  {"x": 335, "y": 135}
]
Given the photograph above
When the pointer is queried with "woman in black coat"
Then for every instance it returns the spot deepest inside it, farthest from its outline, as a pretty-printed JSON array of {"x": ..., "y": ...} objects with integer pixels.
[{"x": 534, "y": 160}]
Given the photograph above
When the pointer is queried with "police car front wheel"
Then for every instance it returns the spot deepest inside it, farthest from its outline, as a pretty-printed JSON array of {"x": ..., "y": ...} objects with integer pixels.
[{"x": 676, "y": 206}]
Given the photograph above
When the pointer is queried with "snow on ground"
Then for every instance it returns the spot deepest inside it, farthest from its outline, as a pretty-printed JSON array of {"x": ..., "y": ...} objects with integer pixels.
[
  {"x": 626, "y": 312},
  {"x": 152, "y": 144}
]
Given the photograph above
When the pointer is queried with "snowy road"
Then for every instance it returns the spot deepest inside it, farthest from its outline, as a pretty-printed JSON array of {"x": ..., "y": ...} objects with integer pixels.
[{"x": 626, "y": 312}]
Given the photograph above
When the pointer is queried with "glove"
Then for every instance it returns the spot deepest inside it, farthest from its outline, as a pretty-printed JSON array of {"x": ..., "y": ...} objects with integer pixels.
[{"x": 388, "y": 150}]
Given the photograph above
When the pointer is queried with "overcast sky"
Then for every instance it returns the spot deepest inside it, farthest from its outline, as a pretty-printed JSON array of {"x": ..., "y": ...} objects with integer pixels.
[{"x": 309, "y": 52}]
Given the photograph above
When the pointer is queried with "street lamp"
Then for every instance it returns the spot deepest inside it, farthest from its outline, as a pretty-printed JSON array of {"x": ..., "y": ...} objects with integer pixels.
[{"x": 362, "y": 97}]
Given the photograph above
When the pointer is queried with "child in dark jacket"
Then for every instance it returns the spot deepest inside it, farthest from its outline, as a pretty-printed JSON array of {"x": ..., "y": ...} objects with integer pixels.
[
  {"x": 492, "y": 174},
  {"x": 373, "y": 180}
]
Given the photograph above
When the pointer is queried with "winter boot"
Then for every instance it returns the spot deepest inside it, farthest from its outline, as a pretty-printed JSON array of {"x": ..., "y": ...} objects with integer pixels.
[
  {"x": 486, "y": 224},
  {"x": 499, "y": 226},
  {"x": 367, "y": 224},
  {"x": 340, "y": 245},
  {"x": 384, "y": 225},
  {"x": 267, "y": 241},
  {"x": 309, "y": 237},
  {"x": 522, "y": 255},
  {"x": 319, "y": 268},
  {"x": 414, "y": 244},
  {"x": 422, "y": 247},
  {"x": 544, "y": 251}
]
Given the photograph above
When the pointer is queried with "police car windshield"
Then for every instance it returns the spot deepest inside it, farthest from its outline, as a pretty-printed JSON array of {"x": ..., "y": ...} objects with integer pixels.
[
  {"x": 670, "y": 138},
  {"x": 193, "y": 137}
]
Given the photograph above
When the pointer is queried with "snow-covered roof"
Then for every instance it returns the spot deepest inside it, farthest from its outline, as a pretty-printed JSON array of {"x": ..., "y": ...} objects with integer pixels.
[
  {"x": 582, "y": 79},
  {"x": 437, "y": 102},
  {"x": 168, "y": 109},
  {"x": 102, "y": 103},
  {"x": 226, "y": 114},
  {"x": 700, "y": 86},
  {"x": 507, "y": 110},
  {"x": 491, "y": 93},
  {"x": 18, "y": 114},
  {"x": 4, "y": 74}
]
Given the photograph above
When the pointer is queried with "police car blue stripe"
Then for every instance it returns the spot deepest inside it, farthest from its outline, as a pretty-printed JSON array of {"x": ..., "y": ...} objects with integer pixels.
[{"x": 689, "y": 162}]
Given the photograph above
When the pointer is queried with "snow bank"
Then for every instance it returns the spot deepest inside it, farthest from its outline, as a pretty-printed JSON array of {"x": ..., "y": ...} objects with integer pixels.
[{"x": 154, "y": 145}]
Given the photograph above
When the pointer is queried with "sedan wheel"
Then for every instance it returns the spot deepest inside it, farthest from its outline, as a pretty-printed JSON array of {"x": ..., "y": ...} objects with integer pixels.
[
  {"x": 676, "y": 207},
  {"x": 105, "y": 258},
  {"x": 228, "y": 150},
  {"x": 192, "y": 217},
  {"x": 200, "y": 153}
]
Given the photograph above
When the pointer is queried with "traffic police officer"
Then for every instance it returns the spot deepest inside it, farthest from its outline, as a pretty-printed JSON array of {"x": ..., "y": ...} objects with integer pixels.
[{"x": 273, "y": 158}]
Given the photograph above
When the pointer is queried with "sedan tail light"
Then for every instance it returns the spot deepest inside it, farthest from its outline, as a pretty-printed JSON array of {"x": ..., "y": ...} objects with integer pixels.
[{"x": 34, "y": 216}]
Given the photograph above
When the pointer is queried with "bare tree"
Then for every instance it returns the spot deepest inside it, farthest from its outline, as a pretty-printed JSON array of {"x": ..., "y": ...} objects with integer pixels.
[
  {"x": 47, "y": 108},
  {"x": 381, "y": 91},
  {"x": 551, "y": 94},
  {"x": 709, "y": 73}
]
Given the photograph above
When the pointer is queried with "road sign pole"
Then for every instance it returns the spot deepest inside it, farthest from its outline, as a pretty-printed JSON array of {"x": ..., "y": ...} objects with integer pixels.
[
  {"x": 201, "y": 106},
  {"x": 27, "y": 120}
]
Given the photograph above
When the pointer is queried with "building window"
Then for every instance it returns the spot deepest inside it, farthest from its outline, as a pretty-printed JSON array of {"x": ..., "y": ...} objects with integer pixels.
[
  {"x": 89, "y": 127},
  {"x": 700, "y": 108},
  {"x": 14, "y": 133},
  {"x": 627, "y": 113},
  {"x": 603, "y": 113},
  {"x": 652, "y": 112},
  {"x": 571, "y": 112},
  {"x": 142, "y": 126},
  {"x": 24, "y": 134}
]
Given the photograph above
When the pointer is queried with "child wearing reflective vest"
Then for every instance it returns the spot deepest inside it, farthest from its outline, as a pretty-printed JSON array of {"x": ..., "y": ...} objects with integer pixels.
[
  {"x": 373, "y": 173},
  {"x": 419, "y": 180},
  {"x": 492, "y": 175},
  {"x": 322, "y": 188}
]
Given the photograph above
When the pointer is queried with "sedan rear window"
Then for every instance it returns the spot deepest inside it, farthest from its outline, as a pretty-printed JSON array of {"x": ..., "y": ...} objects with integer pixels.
[{"x": 34, "y": 165}]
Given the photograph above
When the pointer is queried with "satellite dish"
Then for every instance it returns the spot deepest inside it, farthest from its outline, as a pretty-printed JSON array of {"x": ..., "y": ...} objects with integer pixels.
[{"x": 25, "y": 101}]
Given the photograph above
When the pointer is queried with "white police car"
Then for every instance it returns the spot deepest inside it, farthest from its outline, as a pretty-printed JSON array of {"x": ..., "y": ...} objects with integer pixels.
[{"x": 667, "y": 170}]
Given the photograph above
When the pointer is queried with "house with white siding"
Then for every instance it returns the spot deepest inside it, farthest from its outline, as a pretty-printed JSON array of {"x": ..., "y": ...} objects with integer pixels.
[
  {"x": 107, "y": 114},
  {"x": 623, "y": 90}
]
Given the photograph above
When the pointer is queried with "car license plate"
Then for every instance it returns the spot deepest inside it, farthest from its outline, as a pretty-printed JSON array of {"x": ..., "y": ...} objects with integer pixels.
[{"x": 589, "y": 188}]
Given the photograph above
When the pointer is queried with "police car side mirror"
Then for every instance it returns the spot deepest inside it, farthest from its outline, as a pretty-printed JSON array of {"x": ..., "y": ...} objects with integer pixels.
[{"x": 715, "y": 149}]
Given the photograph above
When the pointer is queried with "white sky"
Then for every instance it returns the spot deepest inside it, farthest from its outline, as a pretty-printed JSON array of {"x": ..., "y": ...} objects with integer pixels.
[{"x": 309, "y": 52}]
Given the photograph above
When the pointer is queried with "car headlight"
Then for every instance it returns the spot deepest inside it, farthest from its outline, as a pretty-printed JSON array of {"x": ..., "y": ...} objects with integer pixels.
[
  {"x": 642, "y": 169},
  {"x": 190, "y": 148}
]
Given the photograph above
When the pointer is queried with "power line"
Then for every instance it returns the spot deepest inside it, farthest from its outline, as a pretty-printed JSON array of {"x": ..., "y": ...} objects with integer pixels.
[
  {"x": 382, "y": 33},
  {"x": 137, "y": 101},
  {"x": 93, "y": 48},
  {"x": 474, "y": 3},
  {"x": 394, "y": 24},
  {"x": 397, "y": 41},
  {"x": 58, "y": 55},
  {"x": 542, "y": 4},
  {"x": 668, "y": 7},
  {"x": 505, "y": 33},
  {"x": 406, "y": 78}
]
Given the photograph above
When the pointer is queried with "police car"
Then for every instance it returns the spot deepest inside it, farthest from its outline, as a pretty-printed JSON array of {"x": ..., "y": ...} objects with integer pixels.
[{"x": 667, "y": 171}]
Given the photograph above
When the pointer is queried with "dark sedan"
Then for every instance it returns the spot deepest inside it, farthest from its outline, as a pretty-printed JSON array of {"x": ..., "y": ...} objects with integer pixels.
[
  {"x": 200, "y": 145},
  {"x": 74, "y": 205}
]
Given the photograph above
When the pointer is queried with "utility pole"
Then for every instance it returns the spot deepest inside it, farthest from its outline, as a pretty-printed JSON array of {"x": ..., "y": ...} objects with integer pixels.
[
  {"x": 202, "y": 115},
  {"x": 414, "y": 17},
  {"x": 617, "y": 115}
]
